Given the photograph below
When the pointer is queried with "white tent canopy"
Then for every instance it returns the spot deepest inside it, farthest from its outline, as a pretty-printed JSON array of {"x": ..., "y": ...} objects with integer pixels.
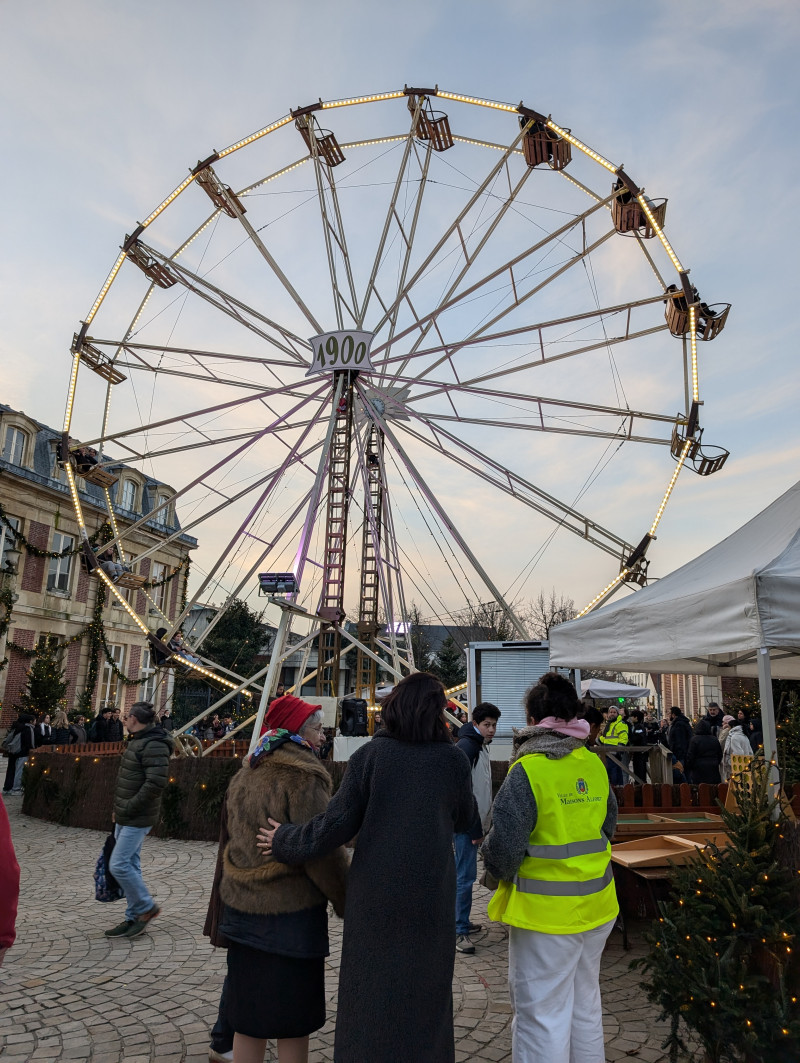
[
  {"x": 602, "y": 688},
  {"x": 733, "y": 611}
]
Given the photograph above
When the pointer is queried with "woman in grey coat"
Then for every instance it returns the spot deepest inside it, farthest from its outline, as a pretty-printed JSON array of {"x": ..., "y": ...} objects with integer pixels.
[{"x": 404, "y": 794}]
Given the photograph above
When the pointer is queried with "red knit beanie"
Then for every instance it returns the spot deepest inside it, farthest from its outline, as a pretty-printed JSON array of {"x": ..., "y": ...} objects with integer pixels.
[{"x": 289, "y": 712}]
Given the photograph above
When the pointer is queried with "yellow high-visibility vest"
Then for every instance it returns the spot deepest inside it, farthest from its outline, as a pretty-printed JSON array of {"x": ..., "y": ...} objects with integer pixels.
[
  {"x": 564, "y": 884},
  {"x": 616, "y": 735}
]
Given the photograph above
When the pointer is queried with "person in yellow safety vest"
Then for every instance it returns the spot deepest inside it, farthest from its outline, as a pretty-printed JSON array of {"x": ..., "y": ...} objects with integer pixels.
[
  {"x": 614, "y": 733},
  {"x": 550, "y": 847}
]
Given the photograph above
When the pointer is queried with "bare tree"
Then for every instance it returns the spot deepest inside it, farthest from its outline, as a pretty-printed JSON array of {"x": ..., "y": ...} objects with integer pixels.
[
  {"x": 487, "y": 622},
  {"x": 547, "y": 611}
]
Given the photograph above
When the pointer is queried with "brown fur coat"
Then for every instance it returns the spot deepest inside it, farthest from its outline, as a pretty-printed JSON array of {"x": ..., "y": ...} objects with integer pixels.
[{"x": 290, "y": 786}]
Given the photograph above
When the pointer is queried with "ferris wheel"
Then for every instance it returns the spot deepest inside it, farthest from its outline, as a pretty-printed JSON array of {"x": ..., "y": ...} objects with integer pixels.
[{"x": 339, "y": 346}]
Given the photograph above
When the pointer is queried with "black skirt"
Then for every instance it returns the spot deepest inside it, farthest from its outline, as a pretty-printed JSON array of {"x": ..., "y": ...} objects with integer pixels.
[{"x": 271, "y": 996}]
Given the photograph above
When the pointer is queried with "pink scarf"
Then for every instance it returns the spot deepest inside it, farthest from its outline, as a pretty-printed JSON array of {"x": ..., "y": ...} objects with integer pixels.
[{"x": 571, "y": 728}]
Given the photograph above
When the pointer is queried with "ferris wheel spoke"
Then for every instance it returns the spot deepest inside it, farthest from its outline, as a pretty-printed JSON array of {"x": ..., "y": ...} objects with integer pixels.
[
  {"x": 114, "y": 437},
  {"x": 208, "y": 377},
  {"x": 231, "y": 306},
  {"x": 469, "y": 259},
  {"x": 393, "y": 221},
  {"x": 519, "y": 299},
  {"x": 246, "y": 580},
  {"x": 452, "y": 229},
  {"x": 194, "y": 352},
  {"x": 518, "y": 487},
  {"x": 271, "y": 480},
  {"x": 433, "y": 501},
  {"x": 452, "y": 298},
  {"x": 236, "y": 208},
  {"x": 223, "y": 462},
  {"x": 621, "y": 432},
  {"x": 166, "y": 452},
  {"x": 334, "y": 235},
  {"x": 539, "y": 327}
]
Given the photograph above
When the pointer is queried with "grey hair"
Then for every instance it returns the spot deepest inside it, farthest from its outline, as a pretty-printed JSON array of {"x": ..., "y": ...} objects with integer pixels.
[
  {"x": 314, "y": 720},
  {"x": 143, "y": 711}
]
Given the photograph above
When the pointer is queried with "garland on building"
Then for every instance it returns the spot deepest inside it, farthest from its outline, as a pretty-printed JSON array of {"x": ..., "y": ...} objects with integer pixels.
[{"x": 104, "y": 532}]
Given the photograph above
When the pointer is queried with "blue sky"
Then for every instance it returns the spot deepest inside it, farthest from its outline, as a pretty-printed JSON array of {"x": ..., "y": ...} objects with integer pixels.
[{"x": 104, "y": 106}]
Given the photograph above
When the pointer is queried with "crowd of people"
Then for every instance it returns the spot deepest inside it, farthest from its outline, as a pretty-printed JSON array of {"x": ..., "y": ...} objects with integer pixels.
[
  {"x": 395, "y": 853},
  {"x": 700, "y": 749}
]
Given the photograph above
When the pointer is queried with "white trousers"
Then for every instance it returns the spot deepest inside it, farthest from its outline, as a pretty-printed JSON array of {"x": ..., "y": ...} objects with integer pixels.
[{"x": 554, "y": 984}]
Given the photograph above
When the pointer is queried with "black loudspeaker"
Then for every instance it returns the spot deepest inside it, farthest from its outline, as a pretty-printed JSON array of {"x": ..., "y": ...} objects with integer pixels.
[{"x": 353, "y": 721}]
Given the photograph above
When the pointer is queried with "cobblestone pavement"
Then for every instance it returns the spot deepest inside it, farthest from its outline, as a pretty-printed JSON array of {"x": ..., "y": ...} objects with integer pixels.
[{"x": 69, "y": 993}]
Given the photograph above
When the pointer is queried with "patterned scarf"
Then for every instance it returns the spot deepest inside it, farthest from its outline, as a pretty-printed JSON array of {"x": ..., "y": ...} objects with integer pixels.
[{"x": 274, "y": 739}]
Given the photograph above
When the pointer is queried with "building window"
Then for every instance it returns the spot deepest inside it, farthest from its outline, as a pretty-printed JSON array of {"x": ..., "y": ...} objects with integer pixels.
[
  {"x": 14, "y": 446},
  {"x": 147, "y": 677},
  {"x": 60, "y": 567},
  {"x": 126, "y": 592},
  {"x": 127, "y": 495},
  {"x": 110, "y": 682},
  {"x": 58, "y": 473},
  {"x": 158, "y": 594},
  {"x": 165, "y": 516},
  {"x": 8, "y": 543},
  {"x": 47, "y": 642}
]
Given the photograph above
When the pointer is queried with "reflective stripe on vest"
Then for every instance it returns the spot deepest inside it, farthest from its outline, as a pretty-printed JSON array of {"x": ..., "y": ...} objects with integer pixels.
[
  {"x": 564, "y": 852},
  {"x": 564, "y": 889},
  {"x": 565, "y": 883}
]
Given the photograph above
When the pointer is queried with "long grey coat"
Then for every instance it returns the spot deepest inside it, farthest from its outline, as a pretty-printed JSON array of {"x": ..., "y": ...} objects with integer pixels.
[{"x": 404, "y": 801}]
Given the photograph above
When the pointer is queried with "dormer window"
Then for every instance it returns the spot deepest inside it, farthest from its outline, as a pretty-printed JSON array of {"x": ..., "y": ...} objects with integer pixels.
[
  {"x": 165, "y": 515},
  {"x": 14, "y": 445},
  {"x": 127, "y": 495}
]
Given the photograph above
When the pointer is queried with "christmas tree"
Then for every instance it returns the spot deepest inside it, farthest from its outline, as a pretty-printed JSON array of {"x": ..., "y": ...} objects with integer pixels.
[
  {"x": 46, "y": 683},
  {"x": 450, "y": 664},
  {"x": 723, "y": 956}
]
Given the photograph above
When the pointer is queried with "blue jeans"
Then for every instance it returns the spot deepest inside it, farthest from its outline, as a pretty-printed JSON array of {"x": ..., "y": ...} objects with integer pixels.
[
  {"x": 615, "y": 774},
  {"x": 126, "y": 867},
  {"x": 466, "y": 873}
]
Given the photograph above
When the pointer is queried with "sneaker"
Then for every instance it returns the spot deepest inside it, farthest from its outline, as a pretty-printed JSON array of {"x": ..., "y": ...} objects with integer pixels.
[
  {"x": 219, "y": 1057},
  {"x": 463, "y": 944},
  {"x": 139, "y": 925},
  {"x": 475, "y": 928},
  {"x": 120, "y": 929}
]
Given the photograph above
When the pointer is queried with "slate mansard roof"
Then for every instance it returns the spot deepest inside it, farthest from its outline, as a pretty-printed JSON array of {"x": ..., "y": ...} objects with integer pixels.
[{"x": 90, "y": 494}]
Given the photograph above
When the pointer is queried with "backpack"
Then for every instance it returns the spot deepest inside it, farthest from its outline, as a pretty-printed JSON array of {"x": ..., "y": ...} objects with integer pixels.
[{"x": 12, "y": 743}]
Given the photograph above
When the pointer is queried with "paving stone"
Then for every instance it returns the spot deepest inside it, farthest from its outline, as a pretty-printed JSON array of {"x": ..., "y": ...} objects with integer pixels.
[{"x": 82, "y": 996}]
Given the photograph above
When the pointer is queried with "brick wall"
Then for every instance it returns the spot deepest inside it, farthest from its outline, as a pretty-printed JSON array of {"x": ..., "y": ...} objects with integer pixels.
[
  {"x": 141, "y": 601},
  {"x": 17, "y": 674},
  {"x": 71, "y": 671},
  {"x": 132, "y": 692},
  {"x": 33, "y": 573},
  {"x": 82, "y": 588}
]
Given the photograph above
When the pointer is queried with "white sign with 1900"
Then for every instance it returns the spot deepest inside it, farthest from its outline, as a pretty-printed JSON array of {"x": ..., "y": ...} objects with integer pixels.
[{"x": 334, "y": 351}]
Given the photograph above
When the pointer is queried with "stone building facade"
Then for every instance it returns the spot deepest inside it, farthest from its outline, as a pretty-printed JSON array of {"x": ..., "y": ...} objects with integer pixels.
[{"x": 54, "y": 598}]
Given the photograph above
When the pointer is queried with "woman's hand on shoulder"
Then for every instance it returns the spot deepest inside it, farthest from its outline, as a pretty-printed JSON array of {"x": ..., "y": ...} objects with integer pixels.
[{"x": 265, "y": 836}]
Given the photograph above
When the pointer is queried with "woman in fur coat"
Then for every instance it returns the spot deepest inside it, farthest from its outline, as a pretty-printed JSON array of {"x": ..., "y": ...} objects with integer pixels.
[
  {"x": 404, "y": 794},
  {"x": 275, "y": 916}
]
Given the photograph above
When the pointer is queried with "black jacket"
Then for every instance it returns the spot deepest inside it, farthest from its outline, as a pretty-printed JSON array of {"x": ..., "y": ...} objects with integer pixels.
[
  {"x": 44, "y": 734},
  {"x": 404, "y": 800},
  {"x": 637, "y": 734},
  {"x": 679, "y": 736},
  {"x": 714, "y": 722},
  {"x": 703, "y": 759},
  {"x": 28, "y": 739},
  {"x": 470, "y": 742}
]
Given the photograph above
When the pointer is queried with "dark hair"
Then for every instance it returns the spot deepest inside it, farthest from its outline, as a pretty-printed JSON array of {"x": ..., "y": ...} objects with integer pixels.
[
  {"x": 553, "y": 695},
  {"x": 485, "y": 711},
  {"x": 637, "y": 714},
  {"x": 161, "y": 632},
  {"x": 593, "y": 716},
  {"x": 702, "y": 727},
  {"x": 413, "y": 710},
  {"x": 143, "y": 711},
  {"x": 676, "y": 709}
]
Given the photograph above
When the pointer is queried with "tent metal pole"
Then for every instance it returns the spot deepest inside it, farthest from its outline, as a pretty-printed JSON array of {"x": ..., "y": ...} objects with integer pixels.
[{"x": 768, "y": 717}]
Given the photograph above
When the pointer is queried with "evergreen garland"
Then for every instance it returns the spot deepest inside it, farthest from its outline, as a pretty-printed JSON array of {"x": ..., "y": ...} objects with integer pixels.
[{"x": 104, "y": 532}]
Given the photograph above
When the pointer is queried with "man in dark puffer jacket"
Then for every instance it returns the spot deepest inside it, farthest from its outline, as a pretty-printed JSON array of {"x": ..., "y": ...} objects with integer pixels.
[{"x": 143, "y": 774}]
